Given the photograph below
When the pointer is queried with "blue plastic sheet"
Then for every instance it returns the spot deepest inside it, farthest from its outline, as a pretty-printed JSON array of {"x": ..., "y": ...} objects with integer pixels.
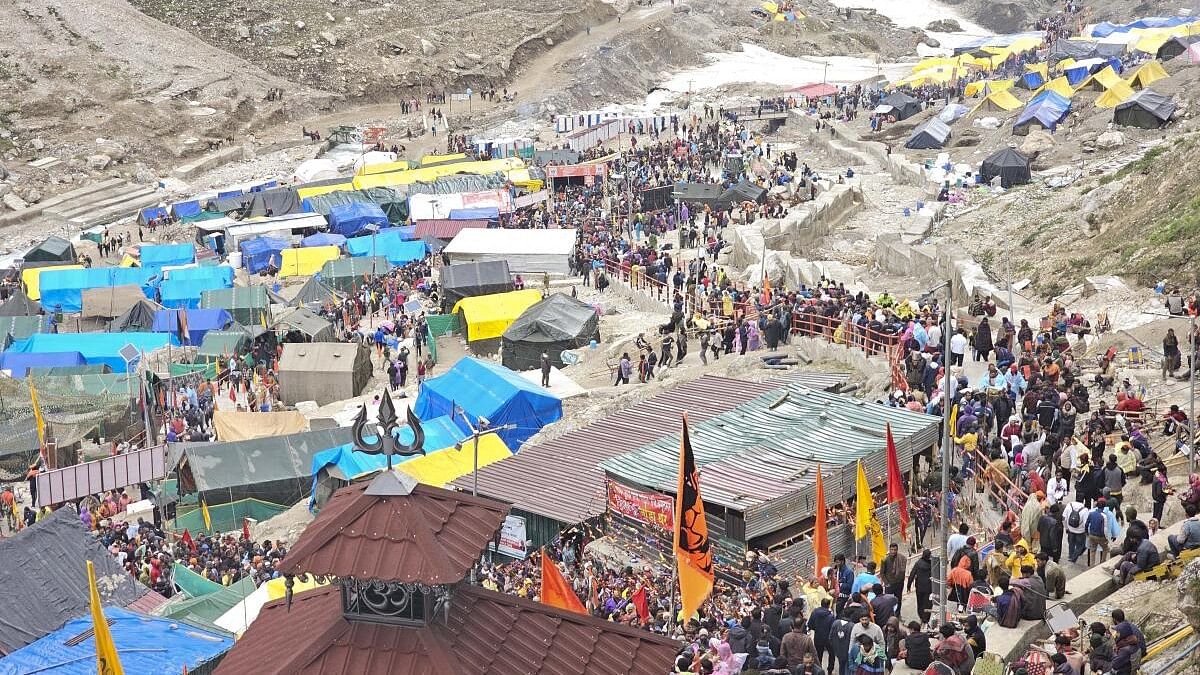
[
  {"x": 63, "y": 289},
  {"x": 102, "y": 348},
  {"x": 389, "y": 244},
  {"x": 163, "y": 255},
  {"x": 351, "y": 219}
]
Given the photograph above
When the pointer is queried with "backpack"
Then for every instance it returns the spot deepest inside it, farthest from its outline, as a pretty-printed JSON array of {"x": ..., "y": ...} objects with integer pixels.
[{"x": 1075, "y": 519}]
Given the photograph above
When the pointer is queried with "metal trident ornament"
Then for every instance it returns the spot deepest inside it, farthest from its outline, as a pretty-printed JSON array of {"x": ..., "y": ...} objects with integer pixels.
[{"x": 386, "y": 432}]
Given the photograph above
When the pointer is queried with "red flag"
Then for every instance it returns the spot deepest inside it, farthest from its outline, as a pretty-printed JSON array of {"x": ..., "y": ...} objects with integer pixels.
[
  {"x": 556, "y": 592},
  {"x": 187, "y": 539},
  {"x": 640, "y": 604},
  {"x": 821, "y": 529},
  {"x": 895, "y": 483},
  {"x": 246, "y": 529}
]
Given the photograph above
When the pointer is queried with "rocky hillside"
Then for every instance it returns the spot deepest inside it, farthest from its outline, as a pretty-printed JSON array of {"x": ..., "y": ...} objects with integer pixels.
[{"x": 1012, "y": 16}]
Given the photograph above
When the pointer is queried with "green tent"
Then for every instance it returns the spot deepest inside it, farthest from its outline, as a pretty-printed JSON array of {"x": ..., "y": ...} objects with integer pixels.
[
  {"x": 191, "y": 584},
  {"x": 227, "y": 517},
  {"x": 207, "y": 370},
  {"x": 221, "y": 343},
  {"x": 249, "y": 306},
  {"x": 346, "y": 274},
  {"x": 204, "y": 611}
]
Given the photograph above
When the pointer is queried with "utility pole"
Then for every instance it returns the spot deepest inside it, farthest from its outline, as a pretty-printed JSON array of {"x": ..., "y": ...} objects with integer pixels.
[
  {"x": 482, "y": 427},
  {"x": 946, "y": 454},
  {"x": 1191, "y": 426}
]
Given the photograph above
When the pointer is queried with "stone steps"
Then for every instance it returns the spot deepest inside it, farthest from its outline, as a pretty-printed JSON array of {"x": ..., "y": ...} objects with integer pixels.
[
  {"x": 112, "y": 199},
  {"x": 38, "y": 209}
]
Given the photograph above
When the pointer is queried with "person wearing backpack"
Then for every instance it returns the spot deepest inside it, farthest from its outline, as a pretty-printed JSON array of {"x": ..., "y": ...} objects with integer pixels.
[
  {"x": 1075, "y": 519},
  {"x": 1096, "y": 526}
]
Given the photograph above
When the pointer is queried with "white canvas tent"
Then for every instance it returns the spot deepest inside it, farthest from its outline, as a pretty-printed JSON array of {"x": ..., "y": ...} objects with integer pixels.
[{"x": 527, "y": 251}]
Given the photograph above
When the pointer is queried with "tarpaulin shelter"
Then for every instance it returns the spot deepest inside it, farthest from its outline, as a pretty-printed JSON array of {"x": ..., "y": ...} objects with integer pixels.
[
  {"x": 743, "y": 191},
  {"x": 18, "y": 364},
  {"x": 222, "y": 272},
  {"x": 204, "y": 610},
  {"x": 151, "y": 213},
  {"x": 390, "y": 244},
  {"x": 250, "y": 306},
  {"x": 1075, "y": 48},
  {"x": 393, "y": 202},
  {"x": 951, "y": 113},
  {"x": 486, "y": 317},
  {"x": 226, "y": 517},
  {"x": 222, "y": 343},
  {"x": 1047, "y": 110},
  {"x": 21, "y": 327},
  {"x": 52, "y": 249},
  {"x": 243, "y": 426},
  {"x": 1011, "y": 166},
  {"x": 42, "y": 572},
  {"x": 162, "y": 255},
  {"x": 315, "y": 294},
  {"x": 353, "y": 218},
  {"x": 527, "y": 251},
  {"x": 323, "y": 239},
  {"x": 111, "y": 302},
  {"x": 468, "y": 280},
  {"x": 1031, "y": 81},
  {"x": 489, "y": 390},
  {"x": 1119, "y": 93},
  {"x": 63, "y": 289},
  {"x": 1059, "y": 85},
  {"x": 903, "y": 106},
  {"x": 1102, "y": 80},
  {"x": 96, "y": 347},
  {"x": 1146, "y": 75},
  {"x": 1175, "y": 46},
  {"x": 197, "y": 321},
  {"x": 262, "y": 253},
  {"x": 320, "y": 168},
  {"x": 555, "y": 324},
  {"x": 997, "y": 101},
  {"x": 302, "y": 262},
  {"x": 139, "y": 318},
  {"x": 307, "y": 324},
  {"x": 185, "y": 211},
  {"x": 31, "y": 278},
  {"x": 191, "y": 584},
  {"x": 186, "y": 294},
  {"x": 1079, "y": 71},
  {"x": 931, "y": 134},
  {"x": 19, "y": 304},
  {"x": 323, "y": 371},
  {"x": 1146, "y": 109},
  {"x": 697, "y": 193},
  {"x": 267, "y": 203},
  {"x": 347, "y": 274},
  {"x": 475, "y": 213}
]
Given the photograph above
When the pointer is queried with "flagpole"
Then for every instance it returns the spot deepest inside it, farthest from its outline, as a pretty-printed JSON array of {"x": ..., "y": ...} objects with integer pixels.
[{"x": 674, "y": 584}]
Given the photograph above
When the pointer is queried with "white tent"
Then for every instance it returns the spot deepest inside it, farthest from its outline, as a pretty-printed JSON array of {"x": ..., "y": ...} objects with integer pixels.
[
  {"x": 373, "y": 157},
  {"x": 315, "y": 169},
  {"x": 527, "y": 251}
]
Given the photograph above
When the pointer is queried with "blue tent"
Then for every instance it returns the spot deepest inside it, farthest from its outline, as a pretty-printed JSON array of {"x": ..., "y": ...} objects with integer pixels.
[
  {"x": 101, "y": 348},
  {"x": 1077, "y": 74},
  {"x": 259, "y": 254},
  {"x": 389, "y": 244},
  {"x": 199, "y": 322},
  {"x": 186, "y": 293},
  {"x": 1032, "y": 80},
  {"x": 162, "y": 255},
  {"x": 185, "y": 209},
  {"x": 351, "y": 219},
  {"x": 145, "y": 644},
  {"x": 64, "y": 288},
  {"x": 150, "y": 213},
  {"x": 222, "y": 272},
  {"x": 1047, "y": 109},
  {"x": 19, "y": 363},
  {"x": 440, "y": 433},
  {"x": 406, "y": 232},
  {"x": 265, "y": 186},
  {"x": 478, "y": 213},
  {"x": 1104, "y": 28},
  {"x": 485, "y": 389},
  {"x": 227, "y": 194},
  {"x": 323, "y": 239}
]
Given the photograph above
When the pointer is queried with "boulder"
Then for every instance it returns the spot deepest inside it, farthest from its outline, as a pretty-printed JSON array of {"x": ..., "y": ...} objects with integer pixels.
[
  {"x": 13, "y": 202},
  {"x": 300, "y": 25},
  {"x": 113, "y": 149},
  {"x": 32, "y": 196},
  {"x": 944, "y": 26},
  {"x": 1110, "y": 140},
  {"x": 98, "y": 162},
  {"x": 1037, "y": 142},
  {"x": 3, "y": 172},
  {"x": 288, "y": 52},
  {"x": 5, "y": 188},
  {"x": 428, "y": 48},
  {"x": 549, "y": 42},
  {"x": 330, "y": 38},
  {"x": 37, "y": 144},
  {"x": 330, "y": 18},
  {"x": 243, "y": 32}
]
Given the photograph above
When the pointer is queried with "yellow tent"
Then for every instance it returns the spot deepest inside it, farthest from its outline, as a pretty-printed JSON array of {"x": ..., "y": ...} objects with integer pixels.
[
  {"x": 32, "y": 278},
  {"x": 998, "y": 101},
  {"x": 1039, "y": 68},
  {"x": 1101, "y": 80},
  {"x": 934, "y": 62},
  {"x": 443, "y": 162},
  {"x": 1025, "y": 44},
  {"x": 1149, "y": 73},
  {"x": 1059, "y": 85},
  {"x": 442, "y": 466},
  {"x": 430, "y": 160},
  {"x": 488, "y": 316},
  {"x": 1115, "y": 95},
  {"x": 976, "y": 88},
  {"x": 304, "y": 262},
  {"x": 129, "y": 261},
  {"x": 1064, "y": 64},
  {"x": 306, "y": 192},
  {"x": 429, "y": 173}
]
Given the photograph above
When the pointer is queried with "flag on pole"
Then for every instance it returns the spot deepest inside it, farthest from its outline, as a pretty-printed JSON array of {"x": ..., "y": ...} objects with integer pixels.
[
  {"x": 184, "y": 335},
  {"x": 878, "y": 545},
  {"x": 107, "y": 661},
  {"x": 693, "y": 554},
  {"x": 864, "y": 505},
  {"x": 37, "y": 415},
  {"x": 821, "y": 528},
  {"x": 246, "y": 529},
  {"x": 207, "y": 517},
  {"x": 556, "y": 592},
  {"x": 641, "y": 604},
  {"x": 895, "y": 484},
  {"x": 187, "y": 540}
]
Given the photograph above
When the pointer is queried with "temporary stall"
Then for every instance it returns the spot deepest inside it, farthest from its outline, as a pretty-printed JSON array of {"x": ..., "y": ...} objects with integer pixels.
[
  {"x": 31, "y": 278},
  {"x": 706, "y": 194},
  {"x": 931, "y": 134},
  {"x": 1146, "y": 75},
  {"x": 323, "y": 371},
  {"x": 111, "y": 302},
  {"x": 196, "y": 322},
  {"x": 1119, "y": 93},
  {"x": 104, "y": 348},
  {"x": 315, "y": 294},
  {"x": 903, "y": 106},
  {"x": 263, "y": 204},
  {"x": 221, "y": 344},
  {"x": 139, "y": 318},
  {"x": 53, "y": 249},
  {"x": 301, "y": 325},
  {"x": 63, "y": 289},
  {"x": 1146, "y": 109},
  {"x": 997, "y": 102},
  {"x": 315, "y": 169},
  {"x": 186, "y": 211},
  {"x": 393, "y": 201},
  {"x": 263, "y": 253},
  {"x": 551, "y": 326},
  {"x": 1011, "y": 166},
  {"x": 1047, "y": 110},
  {"x": 303, "y": 262},
  {"x": 743, "y": 191},
  {"x": 468, "y": 280},
  {"x": 486, "y": 317},
  {"x": 390, "y": 244},
  {"x": 17, "y": 364},
  {"x": 347, "y": 274},
  {"x": 354, "y": 218},
  {"x": 323, "y": 239},
  {"x": 279, "y": 227},
  {"x": 233, "y": 425},
  {"x": 162, "y": 255},
  {"x": 527, "y": 251},
  {"x": 186, "y": 293},
  {"x": 250, "y": 306},
  {"x": 488, "y": 390}
]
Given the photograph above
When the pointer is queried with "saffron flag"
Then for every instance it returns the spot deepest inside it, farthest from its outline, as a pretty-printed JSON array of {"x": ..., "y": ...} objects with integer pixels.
[
  {"x": 107, "y": 661},
  {"x": 37, "y": 415},
  {"x": 821, "y": 528},
  {"x": 184, "y": 334},
  {"x": 878, "y": 545},
  {"x": 641, "y": 604},
  {"x": 693, "y": 552},
  {"x": 864, "y": 505},
  {"x": 187, "y": 540},
  {"x": 895, "y": 484},
  {"x": 556, "y": 592},
  {"x": 204, "y": 513}
]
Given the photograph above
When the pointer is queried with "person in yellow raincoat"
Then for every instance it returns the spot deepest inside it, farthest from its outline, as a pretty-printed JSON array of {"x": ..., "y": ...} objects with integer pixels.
[{"x": 1019, "y": 557}]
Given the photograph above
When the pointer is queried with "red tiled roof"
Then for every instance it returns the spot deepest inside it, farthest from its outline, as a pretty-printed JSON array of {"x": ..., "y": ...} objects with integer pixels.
[
  {"x": 431, "y": 536},
  {"x": 445, "y": 229},
  {"x": 487, "y": 633}
]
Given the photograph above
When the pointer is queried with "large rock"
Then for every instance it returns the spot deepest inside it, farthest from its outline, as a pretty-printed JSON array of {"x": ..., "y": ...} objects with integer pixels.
[
  {"x": 1189, "y": 593},
  {"x": 113, "y": 149},
  {"x": 243, "y": 32},
  {"x": 944, "y": 26},
  {"x": 288, "y": 52},
  {"x": 329, "y": 37},
  {"x": 428, "y": 48},
  {"x": 98, "y": 162},
  {"x": 13, "y": 202},
  {"x": 3, "y": 172},
  {"x": 1110, "y": 140},
  {"x": 1037, "y": 142},
  {"x": 5, "y": 188}
]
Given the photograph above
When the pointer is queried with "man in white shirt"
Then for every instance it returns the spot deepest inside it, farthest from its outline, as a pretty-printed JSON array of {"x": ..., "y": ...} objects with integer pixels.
[
  {"x": 957, "y": 540},
  {"x": 1075, "y": 523},
  {"x": 1058, "y": 487},
  {"x": 958, "y": 348}
]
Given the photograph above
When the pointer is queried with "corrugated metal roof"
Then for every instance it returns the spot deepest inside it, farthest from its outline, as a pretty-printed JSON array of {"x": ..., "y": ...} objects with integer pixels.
[
  {"x": 559, "y": 479},
  {"x": 760, "y": 458},
  {"x": 445, "y": 229}
]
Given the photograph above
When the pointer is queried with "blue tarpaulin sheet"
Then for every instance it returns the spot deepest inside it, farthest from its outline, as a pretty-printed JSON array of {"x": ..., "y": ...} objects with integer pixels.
[
  {"x": 63, "y": 289},
  {"x": 150, "y": 213},
  {"x": 259, "y": 254},
  {"x": 323, "y": 239},
  {"x": 406, "y": 232},
  {"x": 1047, "y": 109},
  {"x": 440, "y": 433},
  {"x": 1032, "y": 80},
  {"x": 479, "y": 213},
  {"x": 388, "y": 244},
  {"x": 351, "y": 219},
  {"x": 185, "y": 293},
  {"x": 229, "y": 193},
  {"x": 144, "y": 644},
  {"x": 185, "y": 209},
  {"x": 485, "y": 389},
  {"x": 102, "y": 348},
  {"x": 265, "y": 186},
  {"x": 162, "y": 255},
  {"x": 199, "y": 322},
  {"x": 1104, "y": 28},
  {"x": 222, "y": 272},
  {"x": 19, "y": 363}
]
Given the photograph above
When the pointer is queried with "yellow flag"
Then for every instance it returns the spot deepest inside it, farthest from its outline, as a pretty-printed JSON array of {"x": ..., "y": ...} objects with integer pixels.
[
  {"x": 37, "y": 415},
  {"x": 107, "y": 661},
  {"x": 264, "y": 319},
  {"x": 865, "y": 505},
  {"x": 204, "y": 513},
  {"x": 878, "y": 545}
]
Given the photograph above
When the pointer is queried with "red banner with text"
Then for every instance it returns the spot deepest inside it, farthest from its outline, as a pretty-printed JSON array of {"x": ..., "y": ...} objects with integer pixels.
[{"x": 651, "y": 508}]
